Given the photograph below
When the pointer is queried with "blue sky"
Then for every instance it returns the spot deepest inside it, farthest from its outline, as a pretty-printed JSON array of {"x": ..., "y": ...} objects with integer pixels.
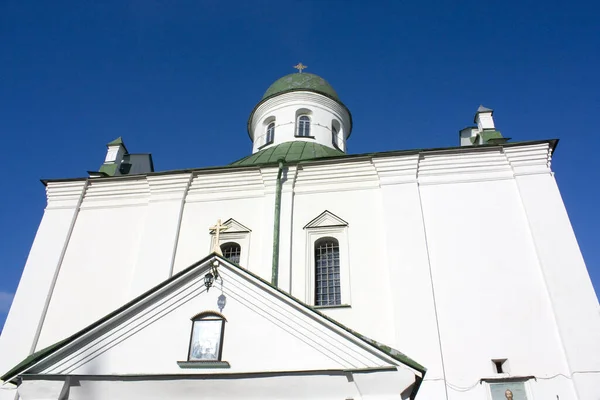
[{"x": 179, "y": 79}]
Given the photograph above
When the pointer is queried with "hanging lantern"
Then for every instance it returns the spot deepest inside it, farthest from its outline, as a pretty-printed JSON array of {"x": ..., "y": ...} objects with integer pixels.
[{"x": 208, "y": 280}]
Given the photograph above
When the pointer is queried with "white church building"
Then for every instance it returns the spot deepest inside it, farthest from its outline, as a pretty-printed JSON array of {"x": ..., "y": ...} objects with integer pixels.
[{"x": 296, "y": 272}]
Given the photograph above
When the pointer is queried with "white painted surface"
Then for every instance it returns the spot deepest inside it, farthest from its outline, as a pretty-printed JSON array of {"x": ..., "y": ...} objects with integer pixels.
[
  {"x": 453, "y": 257},
  {"x": 484, "y": 120},
  {"x": 285, "y": 109}
]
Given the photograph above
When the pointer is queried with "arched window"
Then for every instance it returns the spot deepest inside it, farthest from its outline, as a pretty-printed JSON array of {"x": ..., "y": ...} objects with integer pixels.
[
  {"x": 303, "y": 126},
  {"x": 334, "y": 136},
  {"x": 232, "y": 252},
  {"x": 327, "y": 272},
  {"x": 270, "y": 133},
  {"x": 206, "y": 342}
]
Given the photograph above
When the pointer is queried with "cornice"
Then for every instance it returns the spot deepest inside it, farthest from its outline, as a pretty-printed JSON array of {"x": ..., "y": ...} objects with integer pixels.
[
  {"x": 336, "y": 177},
  {"x": 229, "y": 184},
  {"x": 61, "y": 195},
  {"x": 107, "y": 192},
  {"x": 527, "y": 160},
  {"x": 456, "y": 166},
  {"x": 165, "y": 188},
  {"x": 393, "y": 170}
]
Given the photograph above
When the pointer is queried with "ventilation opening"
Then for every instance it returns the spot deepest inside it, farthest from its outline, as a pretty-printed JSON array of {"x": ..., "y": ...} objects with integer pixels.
[{"x": 500, "y": 366}]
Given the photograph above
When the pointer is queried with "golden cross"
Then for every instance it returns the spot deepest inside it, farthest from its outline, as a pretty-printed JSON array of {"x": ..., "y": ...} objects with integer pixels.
[
  {"x": 217, "y": 228},
  {"x": 300, "y": 67}
]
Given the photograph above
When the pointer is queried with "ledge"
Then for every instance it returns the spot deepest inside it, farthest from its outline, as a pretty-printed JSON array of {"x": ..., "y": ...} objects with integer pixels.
[
  {"x": 203, "y": 364},
  {"x": 265, "y": 145},
  {"x": 336, "y": 306},
  {"x": 507, "y": 379},
  {"x": 305, "y": 137}
]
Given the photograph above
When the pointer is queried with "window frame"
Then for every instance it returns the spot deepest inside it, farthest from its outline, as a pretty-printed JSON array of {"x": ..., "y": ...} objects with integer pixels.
[
  {"x": 270, "y": 133},
  {"x": 309, "y": 123},
  {"x": 214, "y": 316},
  {"x": 325, "y": 225},
  {"x": 230, "y": 244},
  {"x": 524, "y": 380},
  {"x": 334, "y": 136},
  {"x": 317, "y": 252}
]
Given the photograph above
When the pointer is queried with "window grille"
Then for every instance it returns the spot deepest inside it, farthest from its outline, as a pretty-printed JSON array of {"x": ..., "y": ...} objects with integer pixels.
[
  {"x": 327, "y": 272},
  {"x": 232, "y": 252}
]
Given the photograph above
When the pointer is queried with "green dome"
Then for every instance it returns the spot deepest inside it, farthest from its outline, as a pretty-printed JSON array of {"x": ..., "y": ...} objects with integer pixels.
[
  {"x": 289, "y": 152},
  {"x": 303, "y": 81}
]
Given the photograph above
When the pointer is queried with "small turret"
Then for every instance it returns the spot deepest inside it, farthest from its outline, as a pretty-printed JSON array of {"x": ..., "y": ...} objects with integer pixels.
[
  {"x": 119, "y": 161},
  {"x": 484, "y": 133}
]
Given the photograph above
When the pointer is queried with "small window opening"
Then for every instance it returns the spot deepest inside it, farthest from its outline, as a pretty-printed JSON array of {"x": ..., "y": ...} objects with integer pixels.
[
  {"x": 232, "y": 251},
  {"x": 270, "y": 133},
  {"x": 334, "y": 134},
  {"x": 303, "y": 126},
  {"x": 500, "y": 366}
]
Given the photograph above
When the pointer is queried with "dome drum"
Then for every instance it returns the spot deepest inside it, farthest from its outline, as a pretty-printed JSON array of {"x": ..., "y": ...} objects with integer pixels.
[{"x": 328, "y": 121}]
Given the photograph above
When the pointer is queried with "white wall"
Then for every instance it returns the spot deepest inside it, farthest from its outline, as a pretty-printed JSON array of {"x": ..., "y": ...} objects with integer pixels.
[
  {"x": 24, "y": 322},
  {"x": 285, "y": 108},
  {"x": 454, "y": 257}
]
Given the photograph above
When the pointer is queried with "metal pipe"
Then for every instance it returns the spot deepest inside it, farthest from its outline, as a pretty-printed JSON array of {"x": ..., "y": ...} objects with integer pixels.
[{"x": 276, "y": 226}]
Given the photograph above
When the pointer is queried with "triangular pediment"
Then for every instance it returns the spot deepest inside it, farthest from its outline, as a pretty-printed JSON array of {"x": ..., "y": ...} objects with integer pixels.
[
  {"x": 326, "y": 219},
  {"x": 265, "y": 330},
  {"x": 234, "y": 226}
]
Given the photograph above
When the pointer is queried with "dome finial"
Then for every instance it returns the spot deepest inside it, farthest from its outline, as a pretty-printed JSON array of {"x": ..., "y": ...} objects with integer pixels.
[{"x": 300, "y": 67}]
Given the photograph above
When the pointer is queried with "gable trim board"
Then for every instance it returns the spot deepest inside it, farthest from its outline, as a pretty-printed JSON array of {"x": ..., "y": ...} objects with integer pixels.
[
  {"x": 323, "y": 384},
  {"x": 44, "y": 358}
]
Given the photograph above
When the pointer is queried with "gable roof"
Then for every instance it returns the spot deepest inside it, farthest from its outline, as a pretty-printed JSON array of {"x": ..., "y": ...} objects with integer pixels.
[{"x": 43, "y": 354}]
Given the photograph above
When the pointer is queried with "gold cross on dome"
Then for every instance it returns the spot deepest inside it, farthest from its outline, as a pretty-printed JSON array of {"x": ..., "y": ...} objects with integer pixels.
[
  {"x": 300, "y": 67},
  {"x": 218, "y": 228}
]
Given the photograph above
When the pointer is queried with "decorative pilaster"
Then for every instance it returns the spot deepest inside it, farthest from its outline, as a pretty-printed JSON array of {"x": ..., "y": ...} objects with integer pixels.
[{"x": 158, "y": 243}]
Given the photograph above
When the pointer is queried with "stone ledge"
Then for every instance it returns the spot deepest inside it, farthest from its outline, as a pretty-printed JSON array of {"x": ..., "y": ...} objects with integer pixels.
[{"x": 203, "y": 364}]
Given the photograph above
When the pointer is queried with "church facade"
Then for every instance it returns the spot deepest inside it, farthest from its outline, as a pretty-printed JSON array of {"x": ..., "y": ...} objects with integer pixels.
[{"x": 296, "y": 272}]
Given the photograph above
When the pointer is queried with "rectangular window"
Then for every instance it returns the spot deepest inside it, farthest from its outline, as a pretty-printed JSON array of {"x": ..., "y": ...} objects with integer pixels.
[
  {"x": 205, "y": 344},
  {"x": 327, "y": 273}
]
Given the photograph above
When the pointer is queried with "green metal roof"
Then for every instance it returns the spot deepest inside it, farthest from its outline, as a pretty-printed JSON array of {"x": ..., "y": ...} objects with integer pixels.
[
  {"x": 116, "y": 142},
  {"x": 289, "y": 152},
  {"x": 301, "y": 81}
]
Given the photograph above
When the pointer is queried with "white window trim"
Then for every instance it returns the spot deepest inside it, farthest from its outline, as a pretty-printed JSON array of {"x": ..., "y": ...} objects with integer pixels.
[
  {"x": 298, "y": 125},
  {"x": 267, "y": 141},
  {"x": 340, "y": 233}
]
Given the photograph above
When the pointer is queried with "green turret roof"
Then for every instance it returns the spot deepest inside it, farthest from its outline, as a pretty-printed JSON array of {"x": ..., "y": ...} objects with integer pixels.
[
  {"x": 301, "y": 81},
  {"x": 289, "y": 152}
]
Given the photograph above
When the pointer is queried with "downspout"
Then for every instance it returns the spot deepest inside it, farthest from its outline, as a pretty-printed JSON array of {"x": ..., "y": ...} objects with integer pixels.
[{"x": 276, "y": 226}]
